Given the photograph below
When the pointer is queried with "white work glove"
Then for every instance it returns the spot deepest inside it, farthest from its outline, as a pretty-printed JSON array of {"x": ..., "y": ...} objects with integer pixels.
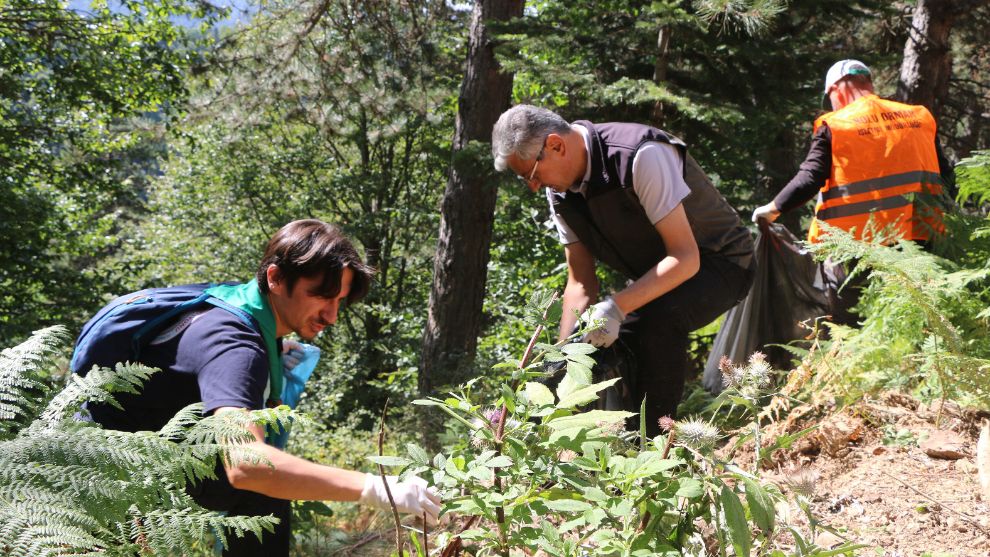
[
  {"x": 768, "y": 212},
  {"x": 610, "y": 316},
  {"x": 411, "y": 496},
  {"x": 292, "y": 354}
]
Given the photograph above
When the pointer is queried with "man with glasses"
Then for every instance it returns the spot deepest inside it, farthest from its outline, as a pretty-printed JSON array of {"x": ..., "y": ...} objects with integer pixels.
[
  {"x": 630, "y": 196},
  {"x": 875, "y": 165}
]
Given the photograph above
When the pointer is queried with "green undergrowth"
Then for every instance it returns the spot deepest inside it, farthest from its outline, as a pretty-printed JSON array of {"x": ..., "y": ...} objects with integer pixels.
[
  {"x": 535, "y": 471},
  {"x": 70, "y": 487}
]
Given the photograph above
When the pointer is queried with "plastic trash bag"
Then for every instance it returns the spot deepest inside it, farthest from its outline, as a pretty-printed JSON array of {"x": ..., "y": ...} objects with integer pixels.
[
  {"x": 295, "y": 379},
  {"x": 787, "y": 289}
]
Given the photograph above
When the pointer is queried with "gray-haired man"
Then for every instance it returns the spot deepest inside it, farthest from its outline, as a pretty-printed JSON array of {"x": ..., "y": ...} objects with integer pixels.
[{"x": 629, "y": 195}]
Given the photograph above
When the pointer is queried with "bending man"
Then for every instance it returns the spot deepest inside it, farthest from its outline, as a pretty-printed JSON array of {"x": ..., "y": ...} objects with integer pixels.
[
  {"x": 213, "y": 356},
  {"x": 630, "y": 196}
]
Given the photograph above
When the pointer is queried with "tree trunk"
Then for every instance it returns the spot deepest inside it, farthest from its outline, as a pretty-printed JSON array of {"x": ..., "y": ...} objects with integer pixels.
[
  {"x": 468, "y": 206},
  {"x": 927, "y": 63},
  {"x": 660, "y": 71}
]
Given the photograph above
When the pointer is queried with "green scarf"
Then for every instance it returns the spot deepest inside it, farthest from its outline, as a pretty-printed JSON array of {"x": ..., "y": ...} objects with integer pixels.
[{"x": 248, "y": 298}]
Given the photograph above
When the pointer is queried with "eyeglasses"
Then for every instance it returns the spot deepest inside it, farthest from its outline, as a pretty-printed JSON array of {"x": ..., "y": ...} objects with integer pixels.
[{"x": 532, "y": 173}]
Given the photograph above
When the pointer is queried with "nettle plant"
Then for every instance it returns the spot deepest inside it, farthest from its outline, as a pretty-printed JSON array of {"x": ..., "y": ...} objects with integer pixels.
[{"x": 536, "y": 474}]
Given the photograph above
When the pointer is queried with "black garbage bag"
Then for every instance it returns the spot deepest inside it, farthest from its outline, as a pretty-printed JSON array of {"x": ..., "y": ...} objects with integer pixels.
[{"x": 787, "y": 290}]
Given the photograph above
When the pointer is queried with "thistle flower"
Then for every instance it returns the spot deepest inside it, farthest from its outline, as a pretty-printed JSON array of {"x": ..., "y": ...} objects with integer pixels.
[
  {"x": 732, "y": 376},
  {"x": 759, "y": 370},
  {"x": 697, "y": 434},
  {"x": 802, "y": 481},
  {"x": 493, "y": 415},
  {"x": 667, "y": 423}
]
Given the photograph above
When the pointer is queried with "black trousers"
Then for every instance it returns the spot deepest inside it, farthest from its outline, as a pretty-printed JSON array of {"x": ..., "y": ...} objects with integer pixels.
[
  {"x": 659, "y": 336},
  {"x": 219, "y": 495}
]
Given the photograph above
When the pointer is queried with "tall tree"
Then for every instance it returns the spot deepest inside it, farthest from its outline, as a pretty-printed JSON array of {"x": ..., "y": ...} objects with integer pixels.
[
  {"x": 72, "y": 157},
  {"x": 927, "y": 64},
  {"x": 460, "y": 267}
]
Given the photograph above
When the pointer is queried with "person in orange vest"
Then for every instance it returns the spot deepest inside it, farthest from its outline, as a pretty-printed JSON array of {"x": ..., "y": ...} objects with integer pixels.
[{"x": 876, "y": 168}]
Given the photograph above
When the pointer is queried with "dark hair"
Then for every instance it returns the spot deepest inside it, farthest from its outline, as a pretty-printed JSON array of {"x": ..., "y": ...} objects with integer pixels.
[{"x": 310, "y": 248}]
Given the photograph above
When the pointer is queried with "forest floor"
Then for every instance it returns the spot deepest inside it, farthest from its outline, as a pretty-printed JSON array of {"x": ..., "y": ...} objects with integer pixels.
[{"x": 891, "y": 473}]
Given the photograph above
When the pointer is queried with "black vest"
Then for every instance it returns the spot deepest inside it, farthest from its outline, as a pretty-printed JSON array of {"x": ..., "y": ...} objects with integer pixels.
[{"x": 612, "y": 223}]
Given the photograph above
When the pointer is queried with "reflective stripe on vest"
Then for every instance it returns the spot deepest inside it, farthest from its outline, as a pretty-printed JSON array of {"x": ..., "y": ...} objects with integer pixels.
[{"x": 884, "y": 165}]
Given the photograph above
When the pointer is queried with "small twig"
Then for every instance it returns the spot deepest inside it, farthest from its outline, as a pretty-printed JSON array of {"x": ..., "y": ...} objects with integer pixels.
[
  {"x": 426, "y": 536},
  {"x": 965, "y": 516},
  {"x": 670, "y": 443},
  {"x": 500, "y": 430},
  {"x": 388, "y": 491}
]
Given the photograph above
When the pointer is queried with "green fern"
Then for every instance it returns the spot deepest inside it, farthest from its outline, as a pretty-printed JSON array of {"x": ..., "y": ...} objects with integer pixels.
[
  {"x": 973, "y": 177},
  {"x": 22, "y": 387},
  {"x": 922, "y": 324},
  {"x": 69, "y": 487}
]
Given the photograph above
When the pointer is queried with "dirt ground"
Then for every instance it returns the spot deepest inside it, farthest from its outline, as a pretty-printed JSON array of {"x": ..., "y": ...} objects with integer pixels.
[{"x": 877, "y": 485}]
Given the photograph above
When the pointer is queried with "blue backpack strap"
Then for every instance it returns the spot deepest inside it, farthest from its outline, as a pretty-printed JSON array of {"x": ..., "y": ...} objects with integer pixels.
[{"x": 151, "y": 325}]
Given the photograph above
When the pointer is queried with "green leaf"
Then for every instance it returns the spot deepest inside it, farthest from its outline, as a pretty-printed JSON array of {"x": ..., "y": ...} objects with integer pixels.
[
  {"x": 418, "y": 454},
  {"x": 735, "y": 518},
  {"x": 642, "y": 425},
  {"x": 390, "y": 460},
  {"x": 590, "y": 419},
  {"x": 538, "y": 393},
  {"x": 594, "y": 494},
  {"x": 690, "y": 488},
  {"x": 654, "y": 466},
  {"x": 760, "y": 505},
  {"x": 501, "y": 461},
  {"x": 569, "y": 505},
  {"x": 578, "y": 348},
  {"x": 579, "y": 372},
  {"x": 585, "y": 395}
]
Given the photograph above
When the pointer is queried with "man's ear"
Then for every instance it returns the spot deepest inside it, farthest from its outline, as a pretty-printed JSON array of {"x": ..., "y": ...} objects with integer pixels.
[
  {"x": 556, "y": 144},
  {"x": 274, "y": 276}
]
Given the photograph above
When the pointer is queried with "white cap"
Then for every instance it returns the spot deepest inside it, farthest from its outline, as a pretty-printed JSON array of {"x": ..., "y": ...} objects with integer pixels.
[{"x": 841, "y": 69}]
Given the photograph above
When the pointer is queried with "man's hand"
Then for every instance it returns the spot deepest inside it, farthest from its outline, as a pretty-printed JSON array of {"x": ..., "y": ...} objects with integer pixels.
[
  {"x": 292, "y": 354},
  {"x": 411, "y": 496},
  {"x": 768, "y": 212},
  {"x": 610, "y": 316}
]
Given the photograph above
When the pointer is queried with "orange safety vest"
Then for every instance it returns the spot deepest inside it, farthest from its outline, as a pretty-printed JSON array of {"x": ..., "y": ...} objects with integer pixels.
[{"x": 884, "y": 167}]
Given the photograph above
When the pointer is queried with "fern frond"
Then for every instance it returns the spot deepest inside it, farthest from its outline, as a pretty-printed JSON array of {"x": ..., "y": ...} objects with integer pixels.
[
  {"x": 97, "y": 386},
  {"x": 22, "y": 384},
  {"x": 69, "y": 487},
  {"x": 166, "y": 531},
  {"x": 183, "y": 420}
]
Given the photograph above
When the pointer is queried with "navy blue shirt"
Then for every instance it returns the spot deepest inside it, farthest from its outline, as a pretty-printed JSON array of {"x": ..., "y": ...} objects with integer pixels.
[{"x": 217, "y": 359}]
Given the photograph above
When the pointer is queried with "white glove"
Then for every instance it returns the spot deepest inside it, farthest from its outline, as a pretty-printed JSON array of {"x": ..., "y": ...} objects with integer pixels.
[
  {"x": 768, "y": 212},
  {"x": 411, "y": 496},
  {"x": 292, "y": 354},
  {"x": 611, "y": 317}
]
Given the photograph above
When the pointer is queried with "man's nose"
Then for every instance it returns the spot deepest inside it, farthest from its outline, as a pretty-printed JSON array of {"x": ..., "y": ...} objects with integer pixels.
[
  {"x": 329, "y": 313},
  {"x": 534, "y": 185}
]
